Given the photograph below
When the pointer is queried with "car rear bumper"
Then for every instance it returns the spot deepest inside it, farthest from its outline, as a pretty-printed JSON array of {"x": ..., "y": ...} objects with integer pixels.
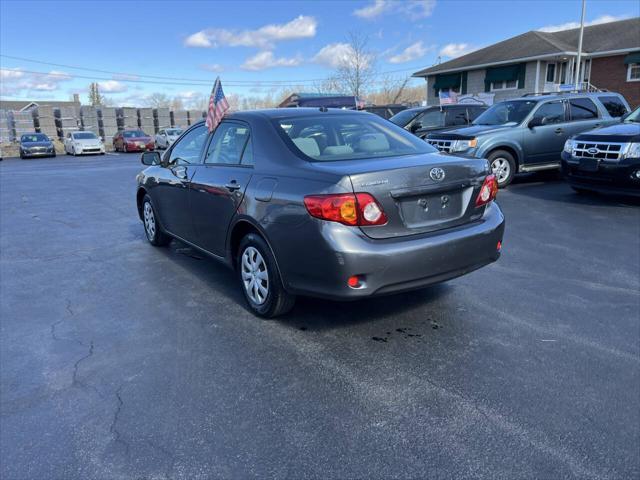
[
  {"x": 391, "y": 265},
  {"x": 617, "y": 178}
]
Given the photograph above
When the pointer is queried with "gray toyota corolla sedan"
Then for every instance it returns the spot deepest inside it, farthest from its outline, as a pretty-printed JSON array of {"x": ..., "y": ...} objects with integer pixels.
[{"x": 328, "y": 203}]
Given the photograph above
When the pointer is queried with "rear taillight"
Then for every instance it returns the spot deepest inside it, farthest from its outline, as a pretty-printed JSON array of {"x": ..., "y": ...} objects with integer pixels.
[
  {"x": 359, "y": 209},
  {"x": 488, "y": 191}
]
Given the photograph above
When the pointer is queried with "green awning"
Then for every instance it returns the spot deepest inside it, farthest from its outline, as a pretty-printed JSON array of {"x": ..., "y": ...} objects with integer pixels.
[
  {"x": 633, "y": 57},
  {"x": 502, "y": 74},
  {"x": 452, "y": 80},
  {"x": 507, "y": 73}
]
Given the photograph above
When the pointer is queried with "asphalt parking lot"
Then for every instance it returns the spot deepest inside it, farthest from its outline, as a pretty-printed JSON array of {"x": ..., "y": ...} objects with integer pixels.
[{"x": 120, "y": 360}]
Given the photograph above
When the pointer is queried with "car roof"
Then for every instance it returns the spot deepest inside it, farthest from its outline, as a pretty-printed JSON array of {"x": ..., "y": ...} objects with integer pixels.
[{"x": 560, "y": 95}]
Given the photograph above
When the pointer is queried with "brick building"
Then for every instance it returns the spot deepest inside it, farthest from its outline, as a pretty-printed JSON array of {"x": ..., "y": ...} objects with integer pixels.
[{"x": 545, "y": 62}]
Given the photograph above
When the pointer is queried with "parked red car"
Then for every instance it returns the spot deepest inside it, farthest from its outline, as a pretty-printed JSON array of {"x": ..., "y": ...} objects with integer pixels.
[{"x": 132, "y": 141}]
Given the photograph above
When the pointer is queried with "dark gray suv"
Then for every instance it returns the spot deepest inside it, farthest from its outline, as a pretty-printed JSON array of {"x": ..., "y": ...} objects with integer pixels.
[{"x": 527, "y": 134}]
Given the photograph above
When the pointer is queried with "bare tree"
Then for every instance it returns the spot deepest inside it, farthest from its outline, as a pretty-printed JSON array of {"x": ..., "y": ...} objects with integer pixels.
[
  {"x": 158, "y": 100},
  {"x": 356, "y": 70},
  {"x": 176, "y": 104},
  {"x": 95, "y": 98}
]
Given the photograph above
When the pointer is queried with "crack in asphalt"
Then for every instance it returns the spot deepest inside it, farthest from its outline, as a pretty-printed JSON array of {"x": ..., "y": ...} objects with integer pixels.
[
  {"x": 117, "y": 437},
  {"x": 74, "y": 379},
  {"x": 169, "y": 454}
]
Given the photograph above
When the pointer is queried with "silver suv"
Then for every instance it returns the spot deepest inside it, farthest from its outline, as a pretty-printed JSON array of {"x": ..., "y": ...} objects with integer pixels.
[{"x": 527, "y": 134}]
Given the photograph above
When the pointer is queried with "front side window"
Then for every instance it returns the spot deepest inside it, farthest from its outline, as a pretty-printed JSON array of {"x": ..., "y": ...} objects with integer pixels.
[
  {"x": 582, "y": 109},
  {"x": 506, "y": 112},
  {"x": 188, "y": 149},
  {"x": 614, "y": 105},
  {"x": 431, "y": 119},
  {"x": 550, "y": 113},
  {"x": 327, "y": 137},
  {"x": 633, "y": 72},
  {"x": 228, "y": 144}
]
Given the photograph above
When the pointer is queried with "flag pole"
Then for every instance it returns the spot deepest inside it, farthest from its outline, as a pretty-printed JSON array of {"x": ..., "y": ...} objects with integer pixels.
[{"x": 580, "y": 45}]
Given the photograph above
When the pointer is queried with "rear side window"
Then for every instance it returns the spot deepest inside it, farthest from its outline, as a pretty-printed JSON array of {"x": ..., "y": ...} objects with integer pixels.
[
  {"x": 614, "y": 106},
  {"x": 457, "y": 116},
  {"x": 327, "y": 137},
  {"x": 582, "y": 109}
]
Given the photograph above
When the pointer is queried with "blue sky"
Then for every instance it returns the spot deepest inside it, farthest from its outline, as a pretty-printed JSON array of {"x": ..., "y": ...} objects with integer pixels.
[{"x": 252, "y": 45}]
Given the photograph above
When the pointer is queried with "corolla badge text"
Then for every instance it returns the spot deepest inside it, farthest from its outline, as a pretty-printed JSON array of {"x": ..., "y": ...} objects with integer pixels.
[{"x": 437, "y": 174}]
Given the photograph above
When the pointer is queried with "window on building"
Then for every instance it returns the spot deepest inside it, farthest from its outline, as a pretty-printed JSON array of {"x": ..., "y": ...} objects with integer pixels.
[
  {"x": 452, "y": 89},
  {"x": 551, "y": 72},
  {"x": 504, "y": 85},
  {"x": 633, "y": 72}
]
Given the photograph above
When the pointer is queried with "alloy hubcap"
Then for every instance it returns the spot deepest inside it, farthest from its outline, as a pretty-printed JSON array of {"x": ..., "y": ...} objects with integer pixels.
[
  {"x": 149, "y": 221},
  {"x": 501, "y": 169},
  {"x": 255, "y": 277}
]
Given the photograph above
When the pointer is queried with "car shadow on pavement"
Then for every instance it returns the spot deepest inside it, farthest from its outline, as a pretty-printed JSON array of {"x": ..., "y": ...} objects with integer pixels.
[{"x": 312, "y": 313}]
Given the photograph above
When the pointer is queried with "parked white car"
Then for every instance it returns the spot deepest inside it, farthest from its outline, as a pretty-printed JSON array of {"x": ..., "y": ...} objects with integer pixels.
[
  {"x": 80, "y": 143},
  {"x": 166, "y": 136}
]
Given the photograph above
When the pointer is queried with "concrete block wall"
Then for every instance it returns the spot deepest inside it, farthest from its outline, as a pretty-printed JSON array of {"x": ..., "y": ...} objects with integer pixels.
[
  {"x": 179, "y": 118},
  {"x": 146, "y": 120},
  {"x": 195, "y": 116},
  {"x": 21, "y": 123},
  {"x": 127, "y": 117},
  {"x": 107, "y": 123},
  {"x": 66, "y": 120},
  {"x": 6, "y": 133},
  {"x": 45, "y": 121},
  {"x": 89, "y": 119},
  {"x": 161, "y": 118}
]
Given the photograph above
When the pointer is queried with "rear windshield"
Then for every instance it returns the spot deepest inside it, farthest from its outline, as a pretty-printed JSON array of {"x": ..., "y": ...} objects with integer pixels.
[
  {"x": 84, "y": 136},
  {"x": 506, "y": 112},
  {"x": 404, "y": 117},
  {"x": 133, "y": 134},
  {"x": 327, "y": 137},
  {"x": 35, "y": 137}
]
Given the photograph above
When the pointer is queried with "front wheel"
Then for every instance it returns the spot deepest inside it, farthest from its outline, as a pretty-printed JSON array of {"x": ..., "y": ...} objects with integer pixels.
[
  {"x": 260, "y": 279},
  {"x": 124, "y": 148},
  {"x": 503, "y": 166},
  {"x": 152, "y": 229}
]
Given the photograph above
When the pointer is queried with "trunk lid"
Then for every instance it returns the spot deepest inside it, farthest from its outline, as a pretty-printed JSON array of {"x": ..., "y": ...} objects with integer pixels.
[{"x": 418, "y": 193}]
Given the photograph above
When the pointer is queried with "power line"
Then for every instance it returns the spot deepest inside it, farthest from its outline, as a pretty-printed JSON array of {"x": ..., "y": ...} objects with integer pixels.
[{"x": 135, "y": 77}]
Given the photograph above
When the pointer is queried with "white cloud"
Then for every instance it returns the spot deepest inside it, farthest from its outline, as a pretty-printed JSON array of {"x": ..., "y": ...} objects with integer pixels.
[
  {"x": 16, "y": 82},
  {"x": 596, "y": 21},
  {"x": 112, "y": 86},
  {"x": 413, "y": 9},
  {"x": 264, "y": 37},
  {"x": 212, "y": 67},
  {"x": 334, "y": 55},
  {"x": 264, "y": 60},
  {"x": 453, "y": 50},
  {"x": 412, "y": 52}
]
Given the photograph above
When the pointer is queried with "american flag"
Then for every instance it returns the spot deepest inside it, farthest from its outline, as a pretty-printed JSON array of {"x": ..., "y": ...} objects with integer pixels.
[{"x": 217, "y": 106}]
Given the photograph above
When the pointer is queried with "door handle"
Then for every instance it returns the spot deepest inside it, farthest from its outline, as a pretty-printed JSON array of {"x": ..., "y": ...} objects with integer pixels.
[
  {"x": 232, "y": 186},
  {"x": 558, "y": 130},
  {"x": 180, "y": 172}
]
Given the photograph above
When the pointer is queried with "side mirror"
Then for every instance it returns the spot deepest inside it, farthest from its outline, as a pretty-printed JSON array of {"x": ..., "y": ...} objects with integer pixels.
[
  {"x": 150, "y": 158},
  {"x": 415, "y": 127},
  {"x": 536, "y": 122}
]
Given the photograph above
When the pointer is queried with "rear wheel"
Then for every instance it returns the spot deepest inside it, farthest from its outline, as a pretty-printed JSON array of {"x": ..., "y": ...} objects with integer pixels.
[
  {"x": 154, "y": 233},
  {"x": 260, "y": 279},
  {"x": 503, "y": 166}
]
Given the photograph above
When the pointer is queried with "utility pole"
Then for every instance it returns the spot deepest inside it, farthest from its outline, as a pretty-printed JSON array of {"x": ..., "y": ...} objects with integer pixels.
[{"x": 584, "y": 2}]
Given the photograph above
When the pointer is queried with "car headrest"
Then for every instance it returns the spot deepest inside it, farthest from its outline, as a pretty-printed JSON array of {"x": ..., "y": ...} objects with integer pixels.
[
  {"x": 308, "y": 146},
  {"x": 373, "y": 142},
  {"x": 337, "y": 150}
]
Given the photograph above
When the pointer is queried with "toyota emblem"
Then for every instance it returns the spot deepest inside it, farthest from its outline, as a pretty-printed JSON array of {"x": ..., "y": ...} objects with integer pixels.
[{"x": 437, "y": 174}]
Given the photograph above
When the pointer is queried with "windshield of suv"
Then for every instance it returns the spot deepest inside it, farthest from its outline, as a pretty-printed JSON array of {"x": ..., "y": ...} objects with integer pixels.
[
  {"x": 36, "y": 137},
  {"x": 348, "y": 137},
  {"x": 84, "y": 136},
  {"x": 506, "y": 112},
  {"x": 404, "y": 117},
  {"x": 173, "y": 132},
  {"x": 133, "y": 134},
  {"x": 634, "y": 117}
]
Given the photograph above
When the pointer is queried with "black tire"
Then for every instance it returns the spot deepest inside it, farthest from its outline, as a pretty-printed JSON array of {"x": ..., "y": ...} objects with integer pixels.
[
  {"x": 155, "y": 235},
  {"x": 277, "y": 301},
  {"x": 54, "y": 155},
  {"x": 503, "y": 165},
  {"x": 22, "y": 157}
]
